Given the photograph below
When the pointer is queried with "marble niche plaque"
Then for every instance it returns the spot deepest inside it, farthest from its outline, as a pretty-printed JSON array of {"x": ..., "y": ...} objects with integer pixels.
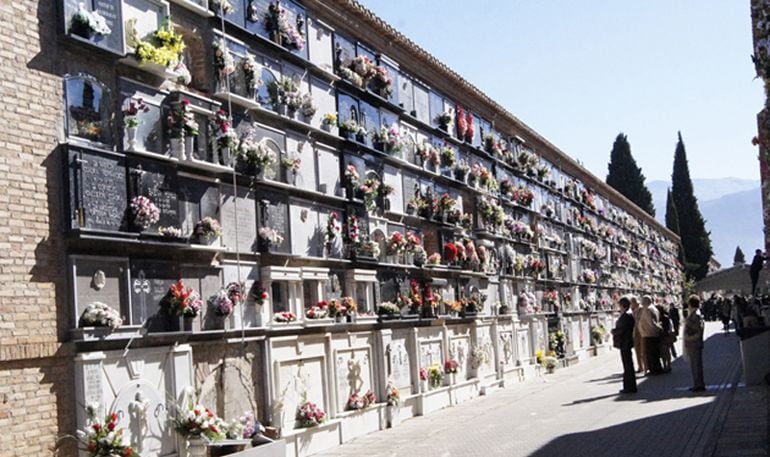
[
  {"x": 484, "y": 342},
  {"x": 99, "y": 279},
  {"x": 149, "y": 133},
  {"x": 197, "y": 199},
  {"x": 430, "y": 354},
  {"x": 98, "y": 197},
  {"x": 238, "y": 213},
  {"x": 329, "y": 182},
  {"x": 137, "y": 385},
  {"x": 507, "y": 352},
  {"x": 459, "y": 347},
  {"x": 160, "y": 184},
  {"x": 274, "y": 213},
  {"x": 399, "y": 364},
  {"x": 297, "y": 380},
  {"x": 110, "y": 10},
  {"x": 307, "y": 238},
  {"x": 353, "y": 374},
  {"x": 207, "y": 281},
  {"x": 150, "y": 282}
]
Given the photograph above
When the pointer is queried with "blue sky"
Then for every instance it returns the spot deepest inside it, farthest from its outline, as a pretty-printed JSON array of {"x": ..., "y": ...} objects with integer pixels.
[{"x": 579, "y": 72}]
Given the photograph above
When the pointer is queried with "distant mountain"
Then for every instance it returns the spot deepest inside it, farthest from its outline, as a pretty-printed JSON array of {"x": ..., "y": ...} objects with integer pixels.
[{"x": 732, "y": 209}]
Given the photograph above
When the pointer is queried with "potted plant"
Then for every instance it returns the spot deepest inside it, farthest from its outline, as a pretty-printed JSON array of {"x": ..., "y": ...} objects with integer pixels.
[
  {"x": 224, "y": 138},
  {"x": 222, "y": 307},
  {"x": 131, "y": 121},
  {"x": 103, "y": 437},
  {"x": 207, "y": 230},
  {"x": 98, "y": 314},
  {"x": 450, "y": 368},
  {"x": 550, "y": 363},
  {"x": 184, "y": 303},
  {"x": 309, "y": 414},
  {"x": 269, "y": 237},
  {"x": 256, "y": 158},
  {"x": 144, "y": 212},
  {"x": 388, "y": 310},
  {"x": 328, "y": 120},
  {"x": 197, "y": 424}
]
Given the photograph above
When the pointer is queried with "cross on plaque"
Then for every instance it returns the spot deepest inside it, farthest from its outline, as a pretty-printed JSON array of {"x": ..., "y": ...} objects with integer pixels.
[{"x": 142, "y": 289}]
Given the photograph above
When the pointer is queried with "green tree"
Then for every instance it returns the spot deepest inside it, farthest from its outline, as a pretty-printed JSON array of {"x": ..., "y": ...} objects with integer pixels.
[
  {"x": 696, "y": 242},
  {"x": 626, "y": 177},
  {"x": 672, "y": 218},
  {"x": 739, "y": 258}
]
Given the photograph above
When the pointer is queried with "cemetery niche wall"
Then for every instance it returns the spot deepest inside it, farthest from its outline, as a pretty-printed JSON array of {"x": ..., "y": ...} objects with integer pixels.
[{"x": 382, "y": 248}]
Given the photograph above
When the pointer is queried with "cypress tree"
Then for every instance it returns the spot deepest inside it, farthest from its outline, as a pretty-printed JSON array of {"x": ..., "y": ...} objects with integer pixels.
[
  {"x": 626, "y": 177},
  {"x": 739, "y": 258},
  {"x": 672, "y": 218},
  {"x": 696, "y": 243}
]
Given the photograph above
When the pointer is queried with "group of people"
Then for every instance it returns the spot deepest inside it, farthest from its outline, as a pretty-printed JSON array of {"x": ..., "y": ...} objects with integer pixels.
[
  {"x": 741, "y": 311},
  {"x": 651, "y": 330}
]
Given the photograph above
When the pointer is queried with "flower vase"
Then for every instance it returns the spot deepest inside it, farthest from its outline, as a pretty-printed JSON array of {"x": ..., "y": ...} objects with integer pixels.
[
  {"x": 235, "y": 321},
  {"x": 391, "y": 259},
  {"x": 177, "y": 148},
  {"x": 185, "y": 323},
  {"x": 131, "y": 137},
  {"x": 326, "y": 127},
  {"x": 189, "y": 147},
  {"x": 339, "y": 318},
  {"x": 196, "y": 447},
  {"x": 452, "y": 379},
  {"x": 225, "y": 158},
  {"x": 424, "y": 386},
  {"x": 282, "y": 110}
]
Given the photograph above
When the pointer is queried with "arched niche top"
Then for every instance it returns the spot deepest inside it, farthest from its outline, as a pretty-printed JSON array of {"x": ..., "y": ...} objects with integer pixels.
[
  {"x": 268, "y": 76},
  {"x": 88, "y": 107}
]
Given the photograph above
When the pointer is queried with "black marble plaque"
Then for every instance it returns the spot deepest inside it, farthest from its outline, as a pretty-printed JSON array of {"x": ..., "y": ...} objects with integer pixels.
[
  {"x": 274, "y": 213},
  {"x": 160, "y": 184},
  {"x": 370, "y": 119},
  {"x": 149, "y": 284},
  {"x": 436, "y": 108},
  {"x": 97, "y": 190},
  {"x": 199, "y": 199},
  {"x": 111, "y": 11}
]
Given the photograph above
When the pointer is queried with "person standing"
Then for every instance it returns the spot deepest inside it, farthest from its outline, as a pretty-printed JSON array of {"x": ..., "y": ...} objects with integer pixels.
[
  {"x": 693, "y": 342},
  {"x": 756, "y": 266},
  {"x": 641, "y": 362},
  {"x": 651, "y": 331},
  {"x": 673, "y": 314},
  {"x": 623, "y": 339}
]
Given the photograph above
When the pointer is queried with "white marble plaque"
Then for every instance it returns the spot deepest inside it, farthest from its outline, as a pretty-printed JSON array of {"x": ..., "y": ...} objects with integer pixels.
[
  {"x": 297, "y": 381},
  {"x": 459, "y": 350},
  {"x": 353, "y": 373},
  {"x": 398, "y": 358},
  {"x": 430, "y": 353}
]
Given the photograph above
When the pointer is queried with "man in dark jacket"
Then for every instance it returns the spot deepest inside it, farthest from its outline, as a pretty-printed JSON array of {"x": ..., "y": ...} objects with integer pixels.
[
  {"x": 756, "y": 266},
  {"x": 623, "y": 339}
]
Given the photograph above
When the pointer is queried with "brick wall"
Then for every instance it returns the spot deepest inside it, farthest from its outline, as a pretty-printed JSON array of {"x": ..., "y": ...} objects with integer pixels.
[{"x": 35, "y": 369}]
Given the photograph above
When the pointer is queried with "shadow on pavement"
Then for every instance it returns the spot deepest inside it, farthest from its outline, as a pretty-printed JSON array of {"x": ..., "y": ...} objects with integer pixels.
[{"x": 670, "y": 434}]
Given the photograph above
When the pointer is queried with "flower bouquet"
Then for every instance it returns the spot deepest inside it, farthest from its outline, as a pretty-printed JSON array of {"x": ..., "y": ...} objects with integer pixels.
[
  {"x": 319, "y": 311},
  {"x": 87, "y": 23},
  {"x": 197, "y": 421},
  {"x": 183, "y": 302},
  {"x": 270, "y": 237},
  {"x": 309, "y": 414},
  {"x": 103, "y": 438},
  {"x": 281, "y": 30},
  {"x": 221, "y": 303},
  {"x": 207, "y": 229},
  {"x": 145, "y": 213},
  {"x": 98, "y": 314},
  {"x": 284, "y": 317}
]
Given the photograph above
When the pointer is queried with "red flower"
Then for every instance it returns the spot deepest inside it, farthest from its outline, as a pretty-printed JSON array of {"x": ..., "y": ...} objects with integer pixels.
[
  {"x": 114, "y": 417},
  {"x": 111, "y": 426},
  {"x": 185, "y": 101},
  {"x": 97, "y": 427},
  {"x": 264, "y": 295},
  {"x": 128, "y": 452},
  {"x": 450, "y": 252}
]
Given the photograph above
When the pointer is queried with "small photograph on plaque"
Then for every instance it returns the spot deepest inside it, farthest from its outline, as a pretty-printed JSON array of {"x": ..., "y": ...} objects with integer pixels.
[{"x": 87, "y": 104}]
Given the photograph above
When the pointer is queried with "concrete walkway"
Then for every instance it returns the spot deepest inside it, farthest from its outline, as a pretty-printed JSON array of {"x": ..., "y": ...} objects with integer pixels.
[{"x": 578, "y": 412}]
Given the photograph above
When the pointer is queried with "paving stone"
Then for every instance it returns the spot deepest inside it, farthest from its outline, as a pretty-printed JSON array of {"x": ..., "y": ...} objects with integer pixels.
[{"x": 577, "y": 411}]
